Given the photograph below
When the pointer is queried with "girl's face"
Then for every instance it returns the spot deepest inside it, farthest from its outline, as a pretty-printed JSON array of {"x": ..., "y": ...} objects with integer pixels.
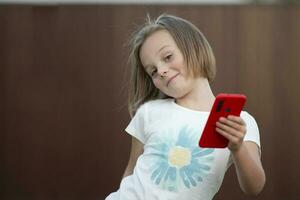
[{"x": 164, "y": 62}]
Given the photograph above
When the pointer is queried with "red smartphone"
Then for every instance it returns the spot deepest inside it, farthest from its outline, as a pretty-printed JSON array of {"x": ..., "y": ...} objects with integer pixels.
[{"x": 224, "y": 105}]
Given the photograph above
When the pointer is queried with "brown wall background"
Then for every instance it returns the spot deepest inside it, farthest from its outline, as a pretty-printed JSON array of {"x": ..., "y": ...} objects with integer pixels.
[{"x": 63, "y": 93}]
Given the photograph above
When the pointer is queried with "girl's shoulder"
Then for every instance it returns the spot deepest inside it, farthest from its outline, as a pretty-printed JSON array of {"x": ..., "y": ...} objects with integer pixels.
[
  {"x": 159, "y": 102},
  {"x": 248, "y": 118},
  {"x": 245, "y": 114},
  {"x": 156, "y": 103},
  {"x": 156, "y": 106}
]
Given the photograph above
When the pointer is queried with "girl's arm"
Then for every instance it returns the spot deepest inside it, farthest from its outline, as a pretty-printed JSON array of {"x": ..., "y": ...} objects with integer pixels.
[
  {"x": 245, "y": 155},
  {"x": 136, "y": 151},
  {"x": 249, "y": 169}
]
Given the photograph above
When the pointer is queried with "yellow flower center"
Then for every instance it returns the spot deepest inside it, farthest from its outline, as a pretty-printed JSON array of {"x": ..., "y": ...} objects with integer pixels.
[{"x": 179, "y": 157}]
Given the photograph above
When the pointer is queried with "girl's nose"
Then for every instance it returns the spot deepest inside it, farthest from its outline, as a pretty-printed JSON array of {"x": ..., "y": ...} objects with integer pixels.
[{"x": 162, "y": 70}]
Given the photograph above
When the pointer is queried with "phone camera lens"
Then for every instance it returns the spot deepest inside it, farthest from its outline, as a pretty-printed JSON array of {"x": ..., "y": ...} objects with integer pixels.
[{"x": 227, "y": 110}]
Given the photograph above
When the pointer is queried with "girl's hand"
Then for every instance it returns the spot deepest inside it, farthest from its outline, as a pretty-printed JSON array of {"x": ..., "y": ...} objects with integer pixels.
[{"x": 234, "y": 129}]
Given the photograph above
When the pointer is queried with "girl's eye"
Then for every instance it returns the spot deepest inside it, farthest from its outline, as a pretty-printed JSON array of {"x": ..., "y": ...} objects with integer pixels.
[
  {"x": 153, "y": 72},
  {"x": 168, "y": 57}
]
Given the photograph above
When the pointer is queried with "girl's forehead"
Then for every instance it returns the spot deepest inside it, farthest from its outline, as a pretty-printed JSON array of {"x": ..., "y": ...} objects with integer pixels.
[
  {"x": 158, "y": 40},
  {"x": 156, "y": 43},
  {"x": 162, "y": 34}
]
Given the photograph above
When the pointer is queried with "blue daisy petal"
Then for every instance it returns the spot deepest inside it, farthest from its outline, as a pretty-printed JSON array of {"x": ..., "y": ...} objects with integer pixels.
[
  {"x": 179, "y": 161},
  {"x": 159, "y": 172},
  {"x": 204, "y": 152}
]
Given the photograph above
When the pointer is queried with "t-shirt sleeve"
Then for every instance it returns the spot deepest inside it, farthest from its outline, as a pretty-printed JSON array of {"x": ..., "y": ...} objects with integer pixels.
[
  {"x": 252, "y": 133},
  {"x": 136, "y": 127}
]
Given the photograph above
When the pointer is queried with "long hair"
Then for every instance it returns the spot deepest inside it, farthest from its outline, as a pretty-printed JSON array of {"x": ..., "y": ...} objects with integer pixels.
[{"x": 196, "y": 51}]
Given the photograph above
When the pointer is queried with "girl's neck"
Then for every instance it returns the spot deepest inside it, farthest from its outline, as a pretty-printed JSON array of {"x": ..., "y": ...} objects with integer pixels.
[{"x": 200, "y": 98}]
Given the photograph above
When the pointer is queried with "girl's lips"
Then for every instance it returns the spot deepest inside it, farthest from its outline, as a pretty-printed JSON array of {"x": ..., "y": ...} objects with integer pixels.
[{"x": 171, "y": 79}]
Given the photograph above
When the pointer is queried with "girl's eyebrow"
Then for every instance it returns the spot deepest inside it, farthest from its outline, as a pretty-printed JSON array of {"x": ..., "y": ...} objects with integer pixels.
[{"x": 163, "y": 48}]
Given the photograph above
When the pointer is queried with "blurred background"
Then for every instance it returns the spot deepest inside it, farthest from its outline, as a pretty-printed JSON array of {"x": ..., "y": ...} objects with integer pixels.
[{"x": 63, "y": 90}]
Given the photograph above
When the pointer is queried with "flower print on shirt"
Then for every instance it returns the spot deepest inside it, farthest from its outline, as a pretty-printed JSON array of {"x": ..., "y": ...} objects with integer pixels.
[{"x": 179, "y": 161}]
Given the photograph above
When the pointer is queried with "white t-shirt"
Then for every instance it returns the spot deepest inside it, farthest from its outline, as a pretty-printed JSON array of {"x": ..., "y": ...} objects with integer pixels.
[{"x": 172, "y": 165}]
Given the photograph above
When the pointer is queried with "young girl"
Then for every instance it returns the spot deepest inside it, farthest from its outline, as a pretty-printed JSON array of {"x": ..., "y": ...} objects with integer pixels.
[{"x": 170, "y": 99}]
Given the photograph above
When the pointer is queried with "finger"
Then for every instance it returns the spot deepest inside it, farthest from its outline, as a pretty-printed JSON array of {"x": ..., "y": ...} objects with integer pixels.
[
  {"x": 229, "y": 130},
  {"x": 236, "y": 119},
  {"x": 228, "y": 136},
  {"x": 231, "y": 123},
  {"x": 242, "y": 125}
]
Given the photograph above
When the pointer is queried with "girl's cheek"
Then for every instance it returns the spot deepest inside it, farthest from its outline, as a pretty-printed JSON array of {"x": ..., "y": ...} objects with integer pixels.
[{"x": 156, "y": 83}]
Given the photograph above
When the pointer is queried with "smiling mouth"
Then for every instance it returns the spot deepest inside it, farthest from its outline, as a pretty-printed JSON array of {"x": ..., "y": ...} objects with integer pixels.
[{"x": 171, "y": 79}]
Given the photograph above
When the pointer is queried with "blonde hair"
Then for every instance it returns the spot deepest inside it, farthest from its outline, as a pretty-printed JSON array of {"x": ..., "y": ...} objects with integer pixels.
[{"x": 196, "y": 51}]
